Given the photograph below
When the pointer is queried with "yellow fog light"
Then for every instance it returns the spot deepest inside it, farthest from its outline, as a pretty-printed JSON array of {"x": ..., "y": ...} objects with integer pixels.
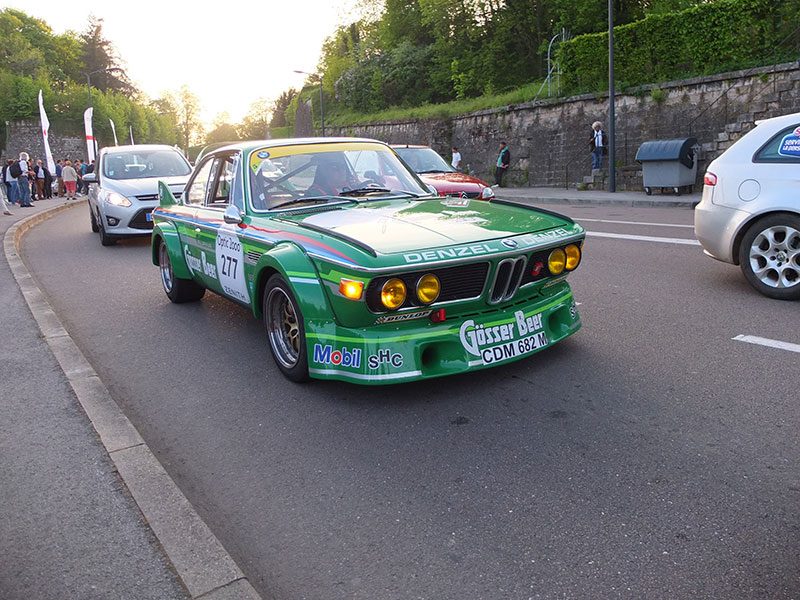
[
  {"x": 556, "y": 261},
  {"x": 428, "y": 288},
  {"x": 573, "y": 257},
  {"x": 351, "y": 289},
  {"x": 393, "y": 293}
]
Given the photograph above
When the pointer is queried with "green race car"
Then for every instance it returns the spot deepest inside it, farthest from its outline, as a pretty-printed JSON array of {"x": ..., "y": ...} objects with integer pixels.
[{"x": 358, "y": 270}]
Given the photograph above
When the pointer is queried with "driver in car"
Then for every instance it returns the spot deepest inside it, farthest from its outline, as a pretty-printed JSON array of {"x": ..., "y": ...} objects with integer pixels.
[{"x": 330, "y": 178}]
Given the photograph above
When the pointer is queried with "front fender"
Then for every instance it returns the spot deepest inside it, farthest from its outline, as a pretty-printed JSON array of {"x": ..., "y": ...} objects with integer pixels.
[
  {"x": 168, "y": 233},
  {"x": 300, "y": 274}
]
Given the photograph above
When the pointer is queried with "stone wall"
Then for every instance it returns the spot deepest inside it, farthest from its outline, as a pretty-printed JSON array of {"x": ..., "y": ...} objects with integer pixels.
[
  {"x": 26, "y": 136},
  {"x": 549, "y": 139}
]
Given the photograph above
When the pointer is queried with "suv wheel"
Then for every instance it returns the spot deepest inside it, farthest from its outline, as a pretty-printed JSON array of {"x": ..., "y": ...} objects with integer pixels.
[
  {"x": 177, "y": 290},
  {"x": 769, "y": 256},
  {"x": 93, "y": 220}
]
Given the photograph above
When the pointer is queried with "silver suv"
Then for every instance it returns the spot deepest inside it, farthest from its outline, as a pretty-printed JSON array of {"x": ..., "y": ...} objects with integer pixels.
[{"x": 123, "y": 190}]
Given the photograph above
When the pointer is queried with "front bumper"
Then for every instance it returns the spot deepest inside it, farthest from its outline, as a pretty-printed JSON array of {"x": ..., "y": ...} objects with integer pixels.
[
  {"x": 130, "y": 221},
  {"x": 419, "y": 349}
]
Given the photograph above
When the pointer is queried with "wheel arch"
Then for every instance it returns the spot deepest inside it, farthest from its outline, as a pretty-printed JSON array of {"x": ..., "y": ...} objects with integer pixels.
[
  {"x": 291, "y": 263},
  {"x": 745, "y": 227},
  {"x": 169, "y": 234}
]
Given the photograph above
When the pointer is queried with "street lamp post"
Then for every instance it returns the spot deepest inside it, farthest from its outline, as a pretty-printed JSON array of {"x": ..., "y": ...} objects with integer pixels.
[
  {"x": 321, "y": 99},
  {"x": 612, "y": 129}
]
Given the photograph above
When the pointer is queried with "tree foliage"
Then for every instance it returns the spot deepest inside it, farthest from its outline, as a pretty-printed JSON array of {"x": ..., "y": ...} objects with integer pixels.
[{"x": 32, "y": 57}]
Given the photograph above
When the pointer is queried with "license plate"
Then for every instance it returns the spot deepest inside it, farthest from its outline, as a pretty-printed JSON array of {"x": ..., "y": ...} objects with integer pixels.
[
  {"x": 148, "y": 217},
  {"x": 514, "y": 349}
]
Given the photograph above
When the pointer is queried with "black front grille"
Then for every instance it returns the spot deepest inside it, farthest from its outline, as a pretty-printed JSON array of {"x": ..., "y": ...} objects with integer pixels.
[
  {"x": 139, "y": 220},
  {"x": 457, "y": 283},
  {"x": 507, "y": 279},
  {"x": 148, "y": 198}
]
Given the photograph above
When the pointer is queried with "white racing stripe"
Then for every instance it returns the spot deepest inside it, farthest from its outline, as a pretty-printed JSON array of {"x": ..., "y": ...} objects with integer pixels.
[
  {"x": 634, "y": 223},
  {"x": 644, "y": 238},
  {"x": 752, "y": 339}
]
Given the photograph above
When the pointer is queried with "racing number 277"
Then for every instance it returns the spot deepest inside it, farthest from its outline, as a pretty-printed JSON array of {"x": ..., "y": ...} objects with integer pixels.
[{"x": 229, "y": 266}]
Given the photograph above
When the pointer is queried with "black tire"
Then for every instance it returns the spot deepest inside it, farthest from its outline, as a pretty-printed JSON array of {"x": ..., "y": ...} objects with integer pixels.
[
  {"x": 648, "y": 191},
  {"x": 177, "y": 290},
  {"x": 93, "y": 220},
  {"x": 105, "y": 239},
  {"x": 285, "y": 328},
  {"x": 769, "y": 256}
]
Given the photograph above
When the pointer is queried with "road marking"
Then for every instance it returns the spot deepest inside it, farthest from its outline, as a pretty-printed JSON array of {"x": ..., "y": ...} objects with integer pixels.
[
  {"x": 635, "y": 223},
  {"x": 752, "y": 339},
  {"x": 644, "y": 238}
]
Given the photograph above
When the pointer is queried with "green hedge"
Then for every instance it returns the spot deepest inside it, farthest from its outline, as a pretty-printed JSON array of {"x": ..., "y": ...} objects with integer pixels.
[{"x": 719, "y": 36}]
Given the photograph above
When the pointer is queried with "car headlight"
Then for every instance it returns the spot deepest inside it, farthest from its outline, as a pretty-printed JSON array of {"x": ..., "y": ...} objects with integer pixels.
[
  {"x": 393, "y": 293},
  {"x": 117, "y": 199},
  {"x": 557, "y": 261},
  {"x": 487, "y": 193},
  {"x": 428, "y": 288},
  {"x": 573, "y": 254}
]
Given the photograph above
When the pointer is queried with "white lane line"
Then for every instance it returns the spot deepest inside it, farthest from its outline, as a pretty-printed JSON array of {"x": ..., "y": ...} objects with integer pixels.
[
  {"x": 634, "y": 223},
  {"x": 644, "y": 238},
  {"x": 752, "y": 339}
]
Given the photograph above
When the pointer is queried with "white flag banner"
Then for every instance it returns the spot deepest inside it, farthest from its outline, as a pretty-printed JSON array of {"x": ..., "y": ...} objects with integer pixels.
[
  {"x": 131, "y": 130},
  {"x": 87, "y": 125},
  {"x": 51, "y": 165},
  {"x": 114, "y": 131}
]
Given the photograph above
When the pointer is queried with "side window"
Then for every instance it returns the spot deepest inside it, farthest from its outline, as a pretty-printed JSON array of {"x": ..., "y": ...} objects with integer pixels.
[
  {"x": 223, "y": 181},
  {"x": 783, "y": 147},
  {"x": 196, "y": 190}
]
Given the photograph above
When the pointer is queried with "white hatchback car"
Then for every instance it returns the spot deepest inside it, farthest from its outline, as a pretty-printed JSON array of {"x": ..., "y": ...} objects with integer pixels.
[
  {"x": 123, "y": 190},
  {"x": 749, "y": 214}
]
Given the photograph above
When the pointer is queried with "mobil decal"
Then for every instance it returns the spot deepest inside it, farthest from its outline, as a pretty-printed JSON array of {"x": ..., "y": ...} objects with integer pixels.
[{"x": 326, "y": 355}]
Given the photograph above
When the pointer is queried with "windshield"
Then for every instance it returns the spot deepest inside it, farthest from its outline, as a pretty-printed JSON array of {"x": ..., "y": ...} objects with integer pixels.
[
  {"x": 424, "y": 160},
  {"x": 139, "y": 164},
  {"x": 285, "y": 175}
]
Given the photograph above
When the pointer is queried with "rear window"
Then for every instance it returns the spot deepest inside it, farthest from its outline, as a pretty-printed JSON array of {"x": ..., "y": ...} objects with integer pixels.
[{"x": 784, "y": 146}]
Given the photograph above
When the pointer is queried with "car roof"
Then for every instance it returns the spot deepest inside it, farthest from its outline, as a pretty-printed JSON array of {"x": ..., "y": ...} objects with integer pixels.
[
  {"x": 249, "y": 146},
  {"x": 781, "y": 121},
  {"x": 138, "y": 148},
  {"x": 413, "y": 146}
]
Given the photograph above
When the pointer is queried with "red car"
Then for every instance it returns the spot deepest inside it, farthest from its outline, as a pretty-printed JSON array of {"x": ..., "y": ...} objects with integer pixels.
[{"x": 435, "y": 171}]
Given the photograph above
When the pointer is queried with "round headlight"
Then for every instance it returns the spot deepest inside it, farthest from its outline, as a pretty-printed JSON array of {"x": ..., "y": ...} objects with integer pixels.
[
  {"x": 556, "y": 261},
  {"x": 573, "y": 257},
  {"x": 393, "y": 293},
  {"x": 428, "y": 288}
]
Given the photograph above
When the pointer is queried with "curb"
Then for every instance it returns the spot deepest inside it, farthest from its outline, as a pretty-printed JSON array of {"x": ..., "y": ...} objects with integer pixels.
[
  {"x": 687, "y": 202},
  {"x": 201, "y": 562}
]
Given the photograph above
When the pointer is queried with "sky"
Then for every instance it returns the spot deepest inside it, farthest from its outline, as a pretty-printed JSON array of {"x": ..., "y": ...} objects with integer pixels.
[{"x": 229, "y": 53}]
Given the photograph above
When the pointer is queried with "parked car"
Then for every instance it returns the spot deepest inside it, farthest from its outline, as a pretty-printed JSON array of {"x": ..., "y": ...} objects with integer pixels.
[
  {"x": 123, "y": 189},
  {"x": 749, "y": 214},
  {"x": 359, "y": 273},
  {"x": 435, "y": 171}
]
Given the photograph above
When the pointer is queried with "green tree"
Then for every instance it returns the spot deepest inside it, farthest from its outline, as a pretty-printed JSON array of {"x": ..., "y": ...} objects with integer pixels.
[
  {"x": 101, "y": 62},
  {"x": 255, "y": 124}
]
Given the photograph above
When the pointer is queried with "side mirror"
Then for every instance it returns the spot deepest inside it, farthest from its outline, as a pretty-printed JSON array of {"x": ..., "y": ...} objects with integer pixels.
[
  {"x": 90, "y": 178},
  {"x": 232, "y": 215}
]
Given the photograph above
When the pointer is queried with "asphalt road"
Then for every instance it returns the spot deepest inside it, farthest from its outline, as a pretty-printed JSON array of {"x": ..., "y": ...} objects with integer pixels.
[{"x": 648, "y": 456}]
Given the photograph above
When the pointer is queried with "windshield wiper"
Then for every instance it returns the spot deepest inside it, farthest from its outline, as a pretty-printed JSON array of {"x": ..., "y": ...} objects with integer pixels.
[
  {"x": 432, "y": 171},
  {"x": 364, "y": 190},
  {"x": 314, "y": 199}
]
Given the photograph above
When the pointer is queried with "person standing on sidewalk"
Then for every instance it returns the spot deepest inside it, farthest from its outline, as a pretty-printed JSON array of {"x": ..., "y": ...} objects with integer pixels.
[
  {"x": 456, "y": 161},
  {"x": 70, "y": 176},
  {"x": 59, "y": 179},
  {"x": 9, "y": 182},
  {"x": 23, "y": 181},
  {"x": 503, "y": 160},
  {"x": 599, "y": 145},
  {"x": 39, "y": 171},
  {"x": 6, "y": 210}
]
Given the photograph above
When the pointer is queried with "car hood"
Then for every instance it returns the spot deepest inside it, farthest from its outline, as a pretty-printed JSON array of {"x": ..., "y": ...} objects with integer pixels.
[
  {"x": 401, "y": 226},
  {"x": 145, "y": 186},
  {"x": 459, "y": 182}
]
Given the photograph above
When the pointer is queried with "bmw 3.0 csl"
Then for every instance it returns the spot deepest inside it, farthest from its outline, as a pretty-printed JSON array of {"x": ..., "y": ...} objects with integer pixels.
[{"x": 359, "y": 273}]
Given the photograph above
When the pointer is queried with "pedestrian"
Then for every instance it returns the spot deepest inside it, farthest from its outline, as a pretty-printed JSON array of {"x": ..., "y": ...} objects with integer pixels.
[
  {"x": 77, "y": 165},
  {"x": 23, "y": 180},
  {"x": 6, "y": 210},
  {"x": 84, "y": 187},
  {"x": 9, "y": 182},
  {"x": 39, "y": 172},
  {"x": 48, "y": 182},
  {"x": 456, "y": 161},
  {"x": 503, "y": 160},
  {"x": 59, "y": 179},
  {"x": 70, "y": 176},
  {"x": 599, "y": 145}
]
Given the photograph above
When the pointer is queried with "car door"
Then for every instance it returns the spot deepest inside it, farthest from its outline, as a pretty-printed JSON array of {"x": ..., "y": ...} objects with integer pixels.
[
  {"x": 223, "y": 267},
  {"x": 186, "y": 219}
]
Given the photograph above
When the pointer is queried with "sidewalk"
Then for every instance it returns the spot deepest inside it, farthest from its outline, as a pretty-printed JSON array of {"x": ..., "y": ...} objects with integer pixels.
[
  {"x": 87, "y": 511},
  {"x": 546, "y": 195}
]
